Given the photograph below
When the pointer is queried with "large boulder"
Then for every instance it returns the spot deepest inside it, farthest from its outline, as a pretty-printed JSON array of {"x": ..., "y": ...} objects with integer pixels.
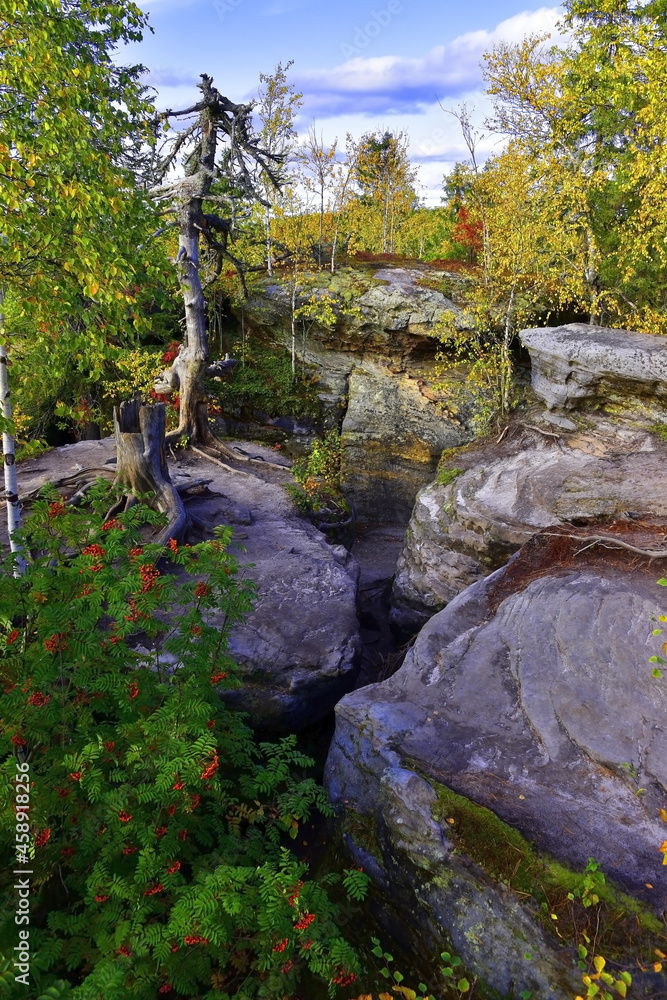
[
  {"x": 579, "y": 362},
  {"x": 519, "y": 730},
  {"x": 299, "y": 649},
  {"x": 606, "y": 458},
  {"x": 390, "y": 312}
]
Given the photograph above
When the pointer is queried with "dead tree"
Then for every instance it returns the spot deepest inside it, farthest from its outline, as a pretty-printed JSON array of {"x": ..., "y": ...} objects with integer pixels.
[
  {"x": 141, "y": 464},
  {"x": 141, "y": 470},
  {"x": 218, "y": 145}
]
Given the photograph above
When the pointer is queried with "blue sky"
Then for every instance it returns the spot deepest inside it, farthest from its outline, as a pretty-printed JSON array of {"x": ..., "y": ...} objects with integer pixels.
[{"x": 360, "y": 66}]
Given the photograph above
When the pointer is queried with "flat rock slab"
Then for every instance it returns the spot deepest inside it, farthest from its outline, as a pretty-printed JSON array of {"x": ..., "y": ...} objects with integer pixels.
[
  {"x": 576, "y": 362},
  {"x": 530, "y": 694},
  {"x": 299, "y": 649}
]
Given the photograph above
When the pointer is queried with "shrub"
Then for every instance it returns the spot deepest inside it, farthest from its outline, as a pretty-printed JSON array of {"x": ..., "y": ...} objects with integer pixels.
[
  {"x": 322, "y": 462},
  {"x": 265, "y": 382},
  {"x": 157, "y": 828}
]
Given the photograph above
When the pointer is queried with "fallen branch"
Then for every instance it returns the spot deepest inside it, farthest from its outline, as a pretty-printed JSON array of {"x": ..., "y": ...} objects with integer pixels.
[
  {"x": 259, "y": 460},
  {"x": 549, "y": 434}
]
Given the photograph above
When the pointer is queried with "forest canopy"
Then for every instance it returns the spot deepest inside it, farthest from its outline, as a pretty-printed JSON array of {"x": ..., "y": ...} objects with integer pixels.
[{"x": 567, "y": 219}]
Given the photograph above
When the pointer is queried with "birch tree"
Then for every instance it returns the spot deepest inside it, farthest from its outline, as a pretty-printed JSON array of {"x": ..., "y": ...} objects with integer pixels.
[
  {"x": 277, "y": 108},
  {"x": 385, "y": 180},
  {"x": 319, "y": 164}
]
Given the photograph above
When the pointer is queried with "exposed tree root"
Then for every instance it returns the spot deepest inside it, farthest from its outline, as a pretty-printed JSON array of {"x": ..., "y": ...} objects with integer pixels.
[
  {"x": 608, "y": 541},
  {"x": 215, "y": 444},
  {"x": 142, "y": 467},
  {"x": 217, "y": 461},
  {"x": 82, "y": 479},
  {"x": 196, "y": 430},
  {"x": 205, "y": 439}
]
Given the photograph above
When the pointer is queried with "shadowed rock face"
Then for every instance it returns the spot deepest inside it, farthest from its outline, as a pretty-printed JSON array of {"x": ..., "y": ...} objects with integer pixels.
[
  {"x": 605, "y": 459},
  {"x": 375, "y": 370},
  {"x": 528, "y": 694},
  {"x": 392, "y": 437}
]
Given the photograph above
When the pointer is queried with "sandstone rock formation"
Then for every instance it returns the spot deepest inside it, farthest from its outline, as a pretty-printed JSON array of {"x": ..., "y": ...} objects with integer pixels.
[
  {"x": 392, "y": 437},
  {"x": 299, "y": 649},
  {"x": 530, "y": 694},
  {"x": 606, "y": 458},
  {"x": 375, "y": 370},
  {"x": 580, "y": 362}
]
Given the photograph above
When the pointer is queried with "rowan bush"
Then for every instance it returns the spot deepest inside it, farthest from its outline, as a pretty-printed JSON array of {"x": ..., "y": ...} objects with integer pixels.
[{"x": 159, "y": 826}]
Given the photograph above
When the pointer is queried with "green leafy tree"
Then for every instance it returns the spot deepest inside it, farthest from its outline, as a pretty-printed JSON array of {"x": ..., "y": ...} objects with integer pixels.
[
  {"x": 426, "y": 234},
  {"x": 385, "y": 180},
  {"x": 589, "y": 116},
  {"x": 75, "y": 141}
]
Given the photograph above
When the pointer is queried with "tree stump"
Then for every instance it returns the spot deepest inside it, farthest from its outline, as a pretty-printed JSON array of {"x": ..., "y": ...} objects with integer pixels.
[{"x": 142, "y": 464}]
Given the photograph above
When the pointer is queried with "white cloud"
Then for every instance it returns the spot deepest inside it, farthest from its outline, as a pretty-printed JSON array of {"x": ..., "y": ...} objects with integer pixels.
[
  {"x": 391, "y": 84},
  {"x": 166, "y": 78}
]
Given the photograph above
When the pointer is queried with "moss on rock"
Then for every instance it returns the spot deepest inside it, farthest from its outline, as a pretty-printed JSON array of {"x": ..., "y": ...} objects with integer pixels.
[{"x": 575, "y": 906}]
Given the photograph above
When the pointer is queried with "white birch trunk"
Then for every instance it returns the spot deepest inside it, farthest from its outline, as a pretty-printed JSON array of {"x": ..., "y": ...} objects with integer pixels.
[
  {"x": 9, "y": 460},
  {"x": 293, "y": 304},
  {"x": 506, "y": 364}
]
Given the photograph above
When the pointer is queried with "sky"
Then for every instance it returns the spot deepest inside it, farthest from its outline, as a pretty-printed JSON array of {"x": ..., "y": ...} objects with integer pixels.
[{"x": 361, "y": 66}]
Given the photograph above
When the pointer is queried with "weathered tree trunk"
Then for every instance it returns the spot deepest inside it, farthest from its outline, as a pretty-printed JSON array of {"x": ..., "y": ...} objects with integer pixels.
[
  {"x": 215, "y": 115},
  {"x": 189, "y": 369},
  {"x": 142, "y": 464}
]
